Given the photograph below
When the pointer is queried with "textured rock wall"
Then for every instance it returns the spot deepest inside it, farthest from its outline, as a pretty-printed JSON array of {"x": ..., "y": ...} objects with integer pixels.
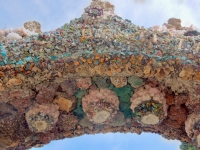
[{"x": 99, "y": 73}]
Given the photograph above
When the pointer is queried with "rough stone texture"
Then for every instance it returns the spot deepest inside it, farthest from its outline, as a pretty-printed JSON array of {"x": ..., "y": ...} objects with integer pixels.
[
  {"x": 65, "y": 104},
  {"x": 9, "y": 119},
  {"x": 123, "y": 64},
  {"x": 67, "y": 122},
  {"x": 42, "y": 118},
  {"x": 69, "y": 86},
  {"x": 46, "y": 92}
]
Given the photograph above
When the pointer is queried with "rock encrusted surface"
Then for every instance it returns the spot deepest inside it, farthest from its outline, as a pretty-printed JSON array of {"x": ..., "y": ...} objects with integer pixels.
[{"x": 99, "y": 73}]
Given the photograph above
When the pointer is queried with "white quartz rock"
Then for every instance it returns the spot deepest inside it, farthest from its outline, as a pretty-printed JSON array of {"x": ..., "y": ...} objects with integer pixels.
[
  {"x": 13, "y": 36},
  {"x": 28, "y": 32},
  {"x": 192, "y": 28}
]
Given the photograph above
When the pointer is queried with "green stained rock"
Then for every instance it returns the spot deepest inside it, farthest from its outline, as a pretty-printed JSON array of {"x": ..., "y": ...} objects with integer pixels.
[
  {"x": 135, "y": 81},
  {"x": 187, "y": 146},
  {"x": 125, "y": 108},
  {"x": 125, "y": 98},
  {"x": 124, "y": 94},
  {"x": 101, "y": 82},
  {"x": 79, "y": 110},
  {"x": 79, "y": 94},
  {"x": 123, "y": 91}
]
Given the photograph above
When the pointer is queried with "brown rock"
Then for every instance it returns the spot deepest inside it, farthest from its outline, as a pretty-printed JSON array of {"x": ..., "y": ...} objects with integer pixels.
[
  {"x": 46, "y": 138},
  {"x": 65, "y": 104},
  {"x": 7, "y": 143},
  {"x": 46, "y": 92},
  {"x": 186, "y": 73},
  {"x": 163, "y": 71},
  {"x": 169, "y": 26},
  {"x": 176, "y": 116},
  {"x": 175, "y": 22},
  {"x": 21, "y": 98},
  {"x": 8, "y": 119},
  {"x": 170, "y": 99},
  {"x": 67, "y": 122},
  {"x": 42, "y": 118},
  {"x": 33, "y": 26},
  {"x": 4, "y": 96},
  {"x": 68, "y": 86},
  {"x": 1, "y": 87},
  {"x": 13, "y": 82},
  {"x": 180, "y": 99}
]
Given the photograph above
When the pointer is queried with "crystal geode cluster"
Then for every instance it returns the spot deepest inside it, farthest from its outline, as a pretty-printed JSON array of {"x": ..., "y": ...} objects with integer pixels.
[
  {"x": 41, "y": 118},
  {"x": 100, "y": 106},
  {"x": 149, "y": 105}
]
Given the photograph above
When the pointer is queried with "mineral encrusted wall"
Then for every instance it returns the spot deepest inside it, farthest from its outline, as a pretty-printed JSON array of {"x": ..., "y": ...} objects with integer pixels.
[{"x": 98, "y": 74}]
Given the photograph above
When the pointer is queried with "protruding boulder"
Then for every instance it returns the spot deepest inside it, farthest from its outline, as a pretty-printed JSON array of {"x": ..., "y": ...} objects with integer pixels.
[
  {"x": 100, "y": 106},
  {"x": 13, "y": 36},
  {"x": 33, "y": 26},
  {"x": 42, "y": 118}
]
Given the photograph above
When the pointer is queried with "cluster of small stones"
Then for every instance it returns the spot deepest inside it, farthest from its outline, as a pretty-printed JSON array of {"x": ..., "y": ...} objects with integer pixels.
[{"x": 95, "y": 75}]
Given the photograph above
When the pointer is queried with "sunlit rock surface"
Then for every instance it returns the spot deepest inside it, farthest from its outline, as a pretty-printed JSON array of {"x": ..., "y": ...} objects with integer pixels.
[{"x": 100, "y": 73}]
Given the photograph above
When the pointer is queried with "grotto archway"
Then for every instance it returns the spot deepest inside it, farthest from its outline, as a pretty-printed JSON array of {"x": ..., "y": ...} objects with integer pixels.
[{"x": 99, "y": 73}]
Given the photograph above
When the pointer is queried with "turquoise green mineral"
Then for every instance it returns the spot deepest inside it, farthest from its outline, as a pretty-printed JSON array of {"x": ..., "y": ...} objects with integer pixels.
[
  {"x": 124, "y": 94},
  {"x": 80, "y": 93},
  {"x": 79, "y": 110},
  {"x": 124, "y": 91}
]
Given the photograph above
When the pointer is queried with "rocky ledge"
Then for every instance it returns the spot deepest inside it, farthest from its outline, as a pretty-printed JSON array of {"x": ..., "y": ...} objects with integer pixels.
[{"x": 99, "y": 73}]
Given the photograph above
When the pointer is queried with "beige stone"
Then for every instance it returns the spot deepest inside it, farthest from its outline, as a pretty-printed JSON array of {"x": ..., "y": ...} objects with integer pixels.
[
  {"x": 150, "y": 119},
  {"x": 119, "y": 81},
  {"x": 13, "y": 82},
  {"x": 101, "y": 116},
  {"x": 186, "y": 74},
  {"x": 40, "y": 125}
]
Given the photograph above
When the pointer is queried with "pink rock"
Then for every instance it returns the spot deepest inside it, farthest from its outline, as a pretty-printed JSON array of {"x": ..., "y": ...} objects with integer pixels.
[
  {"x": 157, "y": 28},
  {"x": 104, "y": 104},
  {"x": 154, "y": 91},
  {"x": 163, "y": 28},
  {"x": 192, "y": 28}
]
